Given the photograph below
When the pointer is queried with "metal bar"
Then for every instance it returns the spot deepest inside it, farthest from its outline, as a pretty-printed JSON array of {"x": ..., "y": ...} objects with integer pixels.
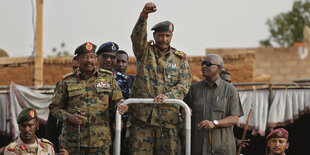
[{"x": 117, "y": 150}]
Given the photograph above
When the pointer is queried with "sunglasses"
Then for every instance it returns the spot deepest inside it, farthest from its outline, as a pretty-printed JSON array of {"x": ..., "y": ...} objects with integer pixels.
[
  {"x": 208, "y": 63},
  {"x": 105, "y": 56}
]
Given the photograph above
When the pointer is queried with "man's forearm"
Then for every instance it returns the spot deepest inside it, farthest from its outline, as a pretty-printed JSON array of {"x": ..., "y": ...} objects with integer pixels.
[{"x": 228, "y": 121}]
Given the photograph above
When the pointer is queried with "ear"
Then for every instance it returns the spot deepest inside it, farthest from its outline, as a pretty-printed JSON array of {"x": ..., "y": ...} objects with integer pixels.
[
  {"x": 154, "y": 35},
  {"x": 287, "y": 145}
]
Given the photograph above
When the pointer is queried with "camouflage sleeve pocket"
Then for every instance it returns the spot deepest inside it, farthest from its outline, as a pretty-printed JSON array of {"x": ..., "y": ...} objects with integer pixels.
[
  {"x": 74, "y": 90},
  {"x": 103, "y": 90}
]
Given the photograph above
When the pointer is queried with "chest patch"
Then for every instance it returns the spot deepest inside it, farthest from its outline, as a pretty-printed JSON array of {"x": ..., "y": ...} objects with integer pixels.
[
  {"x": 101, "y": 84},
  {"x": 172, "y": 67}
]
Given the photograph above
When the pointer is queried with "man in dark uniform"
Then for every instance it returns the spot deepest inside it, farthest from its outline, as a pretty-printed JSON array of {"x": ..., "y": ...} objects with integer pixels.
[
  {"x": 162, "y": 72},
  {"x": 125, "y": 82},
  {"x": 107, "y": 55},
  {"x": 83, "y": 98}
]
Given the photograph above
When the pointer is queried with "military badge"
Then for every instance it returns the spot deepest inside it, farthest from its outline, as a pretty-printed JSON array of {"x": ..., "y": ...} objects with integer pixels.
[
  {"x": 104, "y": 85},
  {"x": 173, "y": 66},
  {"x": 89, "y": 46},
  {"x": 280, "y": 133},
  {"x": 31, "y": 113},
  {"x": 171, "y": 27},
  {"x": 113, "y": 47},
  {"x": 22, "y": 146}
]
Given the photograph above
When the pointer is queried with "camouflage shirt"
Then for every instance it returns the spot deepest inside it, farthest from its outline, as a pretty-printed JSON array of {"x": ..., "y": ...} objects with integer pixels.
[
  {"x": 93, "y": 96},
  {"x": 167, "y": 74}
]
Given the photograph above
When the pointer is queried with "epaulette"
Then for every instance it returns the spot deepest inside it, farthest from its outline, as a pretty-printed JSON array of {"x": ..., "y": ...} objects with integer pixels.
[
  {"x": 106, "y": 71},
  {"x": 43, "y": 140},
  {"x": 12, "y": 146},
  {"x": 67, "y": 75},
  {"x": 150, "y": 43},
  {"x": 182, "y": 55}
]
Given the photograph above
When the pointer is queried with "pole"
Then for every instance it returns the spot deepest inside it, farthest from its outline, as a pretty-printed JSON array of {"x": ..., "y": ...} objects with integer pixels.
[
  {"x": 79, "y": 135},
  {"x": 245, "y": 129},
  {"x": 38, "y": 60}
]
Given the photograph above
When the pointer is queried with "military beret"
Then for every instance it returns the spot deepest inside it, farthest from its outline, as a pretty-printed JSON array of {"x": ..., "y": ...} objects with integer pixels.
[
  {"x": 26, "y": 115},
  {"x": 165, "y": 26},
  {"x": 278, "y": 133},
  {"x": 87, "y": 47},
  {"x": 108, "y": 47}
]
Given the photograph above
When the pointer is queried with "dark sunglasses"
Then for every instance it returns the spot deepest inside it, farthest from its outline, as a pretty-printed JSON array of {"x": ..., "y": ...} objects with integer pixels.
[
  {"x": 112, "y": 57},
  {"x": 208, "y": 63}
]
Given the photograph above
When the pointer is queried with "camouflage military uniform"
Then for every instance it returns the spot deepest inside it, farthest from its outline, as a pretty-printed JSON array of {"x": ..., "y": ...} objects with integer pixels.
[
  {"x": 93, "y": 96},
  {"x": 167, "y": 74},
  {"x": 41, "y": 147}
]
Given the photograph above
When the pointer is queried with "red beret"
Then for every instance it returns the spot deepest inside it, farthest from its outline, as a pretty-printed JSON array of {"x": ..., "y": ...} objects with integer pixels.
[{"x": 278, "y": 133}]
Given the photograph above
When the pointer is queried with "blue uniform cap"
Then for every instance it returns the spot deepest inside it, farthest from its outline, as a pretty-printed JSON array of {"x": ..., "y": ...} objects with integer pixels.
[{"x": 108, "y": 47}]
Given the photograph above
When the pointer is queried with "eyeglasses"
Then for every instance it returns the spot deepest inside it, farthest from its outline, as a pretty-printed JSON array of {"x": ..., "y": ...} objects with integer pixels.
[
  {"x": 208, "y": 63},
  {"x": 105, "y": 56}
]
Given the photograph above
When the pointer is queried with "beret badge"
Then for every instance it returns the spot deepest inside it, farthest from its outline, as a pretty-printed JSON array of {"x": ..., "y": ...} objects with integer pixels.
[{"x": 89, "y": 46}]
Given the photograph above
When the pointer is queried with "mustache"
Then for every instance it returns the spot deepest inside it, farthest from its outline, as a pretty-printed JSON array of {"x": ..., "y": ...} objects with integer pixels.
[
  {"x": 88, "y": 63},
  {"x": 163, "y": 42}
]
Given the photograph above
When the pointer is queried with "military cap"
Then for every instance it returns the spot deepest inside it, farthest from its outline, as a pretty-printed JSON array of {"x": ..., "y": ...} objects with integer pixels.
[
  {"x": 87, "y": 47},
  {"x": 108, "y": 47},
  {"x": 26, "y": 115},
  {"x": 165, "y": 26},
  {"x": 278, "y": 133}
]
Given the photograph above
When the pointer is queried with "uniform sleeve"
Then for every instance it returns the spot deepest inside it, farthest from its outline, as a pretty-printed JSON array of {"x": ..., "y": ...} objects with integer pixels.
[
  {"x": 139, "y": 38},
  {"x": 116, "y": 94},
  {"x": 59, "y": 101},
  {"x": 235, "y": 104},
  {"x": 181, "y": 89}
]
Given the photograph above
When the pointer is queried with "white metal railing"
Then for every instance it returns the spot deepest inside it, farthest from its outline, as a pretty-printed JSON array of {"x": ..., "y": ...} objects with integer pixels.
[{"x": 117, "y": 149}]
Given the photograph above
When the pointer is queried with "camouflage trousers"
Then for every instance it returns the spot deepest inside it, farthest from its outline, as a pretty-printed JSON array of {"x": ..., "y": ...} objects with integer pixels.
[
  {"x": 146, "y": 139},
  {"x": 72, "y": 149}
]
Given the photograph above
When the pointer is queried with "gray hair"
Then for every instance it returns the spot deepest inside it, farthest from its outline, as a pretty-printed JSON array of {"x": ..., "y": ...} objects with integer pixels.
[{"x": 220, "y": 60}]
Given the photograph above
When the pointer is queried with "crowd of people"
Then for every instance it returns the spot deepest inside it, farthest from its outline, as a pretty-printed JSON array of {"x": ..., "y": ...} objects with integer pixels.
[{"x": 82, "y": 112}]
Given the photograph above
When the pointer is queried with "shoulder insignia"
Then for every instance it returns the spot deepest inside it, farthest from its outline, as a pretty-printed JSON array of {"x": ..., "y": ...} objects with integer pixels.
[
  {"x": 12, "y": 146},
  {"x": 182, "y": 55},
  {"x": 23, "y": 147},
  {"x": 106, "y": 71},
  {"x": 43, "y": 140},
  {"x": 150, "y": 43},
  {"x": 41, "y": 144},
  {"x": 67, "y": 75}
]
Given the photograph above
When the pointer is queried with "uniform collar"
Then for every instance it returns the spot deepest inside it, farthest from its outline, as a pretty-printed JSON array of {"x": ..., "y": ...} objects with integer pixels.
[
  {"x": 81, "y": 75},
  {"x": 165, "y": 54},
  {"x": 217, "y": 82}
]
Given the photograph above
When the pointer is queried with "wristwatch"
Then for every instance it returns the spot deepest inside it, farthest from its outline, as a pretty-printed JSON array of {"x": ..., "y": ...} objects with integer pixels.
[{"x": 215, "y": 122}]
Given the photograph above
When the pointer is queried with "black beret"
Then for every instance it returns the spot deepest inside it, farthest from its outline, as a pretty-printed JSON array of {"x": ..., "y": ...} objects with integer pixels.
[
  {"x": 26, "y": 115},
  {"x": 165, "y": 26},
  {"x": 108, "y": 47},
  {"x": 87, "y": 47}
]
